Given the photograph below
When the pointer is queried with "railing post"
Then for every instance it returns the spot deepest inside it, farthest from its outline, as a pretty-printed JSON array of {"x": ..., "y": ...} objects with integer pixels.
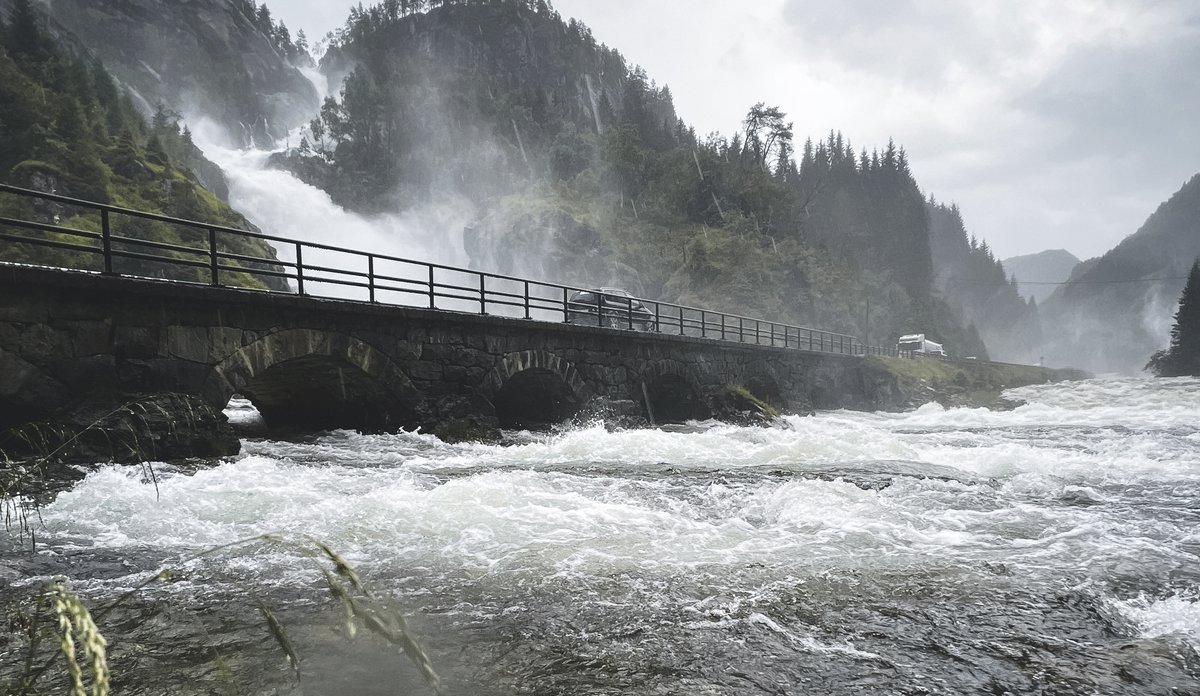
[
  {"x": 722, "y": 326},
  {"x": 371, "y": 277},
  {"x": 599, "y": 309},
  {"x": 106, "y": 242},
  {"x": 213, "y": 268},
  {"x": 432, "y": 295},
  {"x": 680, "y": 320},
  {"x": 299, "y": 269},
  {"x": 741, "y": 330},
  {"x": 757, "y": 331},
  {"x": 566, "y": 311},
  {"x": 657, "y": 319},
  {"x": 527, "y": 299},
  {"x": 482, "y": 294},
  {"x": 703, "y": 324}
]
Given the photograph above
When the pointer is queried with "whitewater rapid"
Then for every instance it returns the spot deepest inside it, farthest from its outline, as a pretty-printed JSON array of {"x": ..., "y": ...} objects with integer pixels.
[{"x": 1069, "y": 523}]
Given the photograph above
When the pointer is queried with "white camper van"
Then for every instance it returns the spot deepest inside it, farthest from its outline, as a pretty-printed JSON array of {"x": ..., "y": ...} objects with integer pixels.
[{"x": 917, "y": 344}]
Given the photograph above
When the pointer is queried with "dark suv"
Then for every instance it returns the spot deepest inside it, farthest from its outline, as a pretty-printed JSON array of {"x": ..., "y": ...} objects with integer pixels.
[{"x": 611, "y": 307}]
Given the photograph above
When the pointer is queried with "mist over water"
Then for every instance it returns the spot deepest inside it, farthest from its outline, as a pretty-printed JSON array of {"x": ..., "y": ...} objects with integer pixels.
[{"x": 1051, "y": 548}]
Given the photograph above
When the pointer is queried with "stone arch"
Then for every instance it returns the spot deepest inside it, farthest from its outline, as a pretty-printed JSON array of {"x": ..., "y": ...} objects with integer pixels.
[
  {"x": 535, "y": 388},
  {"x": 670, "y": 392},
  {"x": 316, "y": 379}
]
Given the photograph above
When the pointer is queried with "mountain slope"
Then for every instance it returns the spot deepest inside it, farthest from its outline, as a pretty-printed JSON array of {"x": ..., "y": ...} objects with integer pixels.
[
  {"x": 195, "y": 56},
  {"x": 1117, "y": 312},
  {"x": 582, "y": 173},
  {"x": 579, "y": 170},
  {"x": 1041, "y": 271},
  {"x": 69, "y": 130},
  {"x": 975, "y": 286},
  {"x": 474, "y": 99}
]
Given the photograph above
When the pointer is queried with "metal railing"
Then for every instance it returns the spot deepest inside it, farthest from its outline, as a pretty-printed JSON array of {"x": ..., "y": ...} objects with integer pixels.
[{"x": 108, "y": 242}]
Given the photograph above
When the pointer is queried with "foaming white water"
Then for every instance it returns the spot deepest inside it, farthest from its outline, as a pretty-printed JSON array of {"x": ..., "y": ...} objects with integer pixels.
[
  {"x": 1127, "y": 402},
  {"x": 1096, "y": 430},
  {"x": 282, "y": 205},
  {"x": 723, "y": 511},
  {"x": 1177, "y": 615}
]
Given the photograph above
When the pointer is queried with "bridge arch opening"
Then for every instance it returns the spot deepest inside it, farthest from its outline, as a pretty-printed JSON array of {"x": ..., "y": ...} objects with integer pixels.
[
  {"x": 535, "y": 398},
  {"x": 672, "y": 398},
  {"x": 302, "y": 379},
  {"x": 325, "y": 392}
]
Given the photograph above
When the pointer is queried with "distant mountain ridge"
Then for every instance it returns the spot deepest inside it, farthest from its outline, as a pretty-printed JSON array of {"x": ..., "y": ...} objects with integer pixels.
[
  {"x": 1036, "y": 273},
  {"x": 1117, "y": 310}
]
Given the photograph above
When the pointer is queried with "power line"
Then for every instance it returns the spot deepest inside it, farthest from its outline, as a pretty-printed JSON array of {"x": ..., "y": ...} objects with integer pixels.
[{"x": 1069, "y": 282}]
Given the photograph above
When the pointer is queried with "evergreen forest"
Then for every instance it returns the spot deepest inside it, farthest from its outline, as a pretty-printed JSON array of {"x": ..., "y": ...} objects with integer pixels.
[
  {"x": 582, "y": 172},
  {"x": 1182, "y": 357},
  {"x": 574, "y": 162}
]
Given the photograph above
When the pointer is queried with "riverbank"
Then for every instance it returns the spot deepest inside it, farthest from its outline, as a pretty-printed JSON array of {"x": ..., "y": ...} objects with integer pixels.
[{"x": 900, "y": 384}]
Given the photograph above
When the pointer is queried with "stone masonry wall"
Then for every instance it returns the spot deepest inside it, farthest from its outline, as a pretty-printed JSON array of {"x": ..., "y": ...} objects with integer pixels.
[{"x": 65, "y": 335}]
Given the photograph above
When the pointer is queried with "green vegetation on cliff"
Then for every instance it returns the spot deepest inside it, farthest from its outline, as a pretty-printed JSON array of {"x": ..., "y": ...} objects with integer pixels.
[
  {"x": 70, "y": 130},
  {"x": 585, "y": 174}
]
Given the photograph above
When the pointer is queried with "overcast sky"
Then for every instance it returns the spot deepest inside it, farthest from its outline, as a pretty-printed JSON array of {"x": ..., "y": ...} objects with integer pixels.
[{"x": 1052, "y": 123}]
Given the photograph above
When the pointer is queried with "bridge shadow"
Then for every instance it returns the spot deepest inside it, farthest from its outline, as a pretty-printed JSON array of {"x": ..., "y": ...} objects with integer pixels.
[
  {"x": 673, "y": 398},
  {"x": 314, "y": 380},
  {"x": 534, "y": 399},
  {"x": 321, "y": 392}
]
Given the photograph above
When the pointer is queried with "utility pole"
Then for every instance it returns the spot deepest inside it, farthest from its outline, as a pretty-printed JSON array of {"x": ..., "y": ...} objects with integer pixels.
[{"x": 867, "y": 323}]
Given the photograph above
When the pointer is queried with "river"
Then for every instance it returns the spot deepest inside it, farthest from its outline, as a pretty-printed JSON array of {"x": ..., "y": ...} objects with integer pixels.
[{"x": 1053, "y": 548}]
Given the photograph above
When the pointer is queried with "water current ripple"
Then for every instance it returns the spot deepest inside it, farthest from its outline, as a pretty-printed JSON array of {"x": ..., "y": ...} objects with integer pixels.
[{"x": 1053, "y": 548}]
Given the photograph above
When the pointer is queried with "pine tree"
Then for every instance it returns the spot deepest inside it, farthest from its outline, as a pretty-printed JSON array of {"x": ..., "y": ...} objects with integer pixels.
[
  {"x": 1183, "y": 355},
  {"x": 25, "y": 36}
]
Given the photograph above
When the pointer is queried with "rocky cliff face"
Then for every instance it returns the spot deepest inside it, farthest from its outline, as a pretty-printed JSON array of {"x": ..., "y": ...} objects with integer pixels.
[{"x": 197, "y": 57}]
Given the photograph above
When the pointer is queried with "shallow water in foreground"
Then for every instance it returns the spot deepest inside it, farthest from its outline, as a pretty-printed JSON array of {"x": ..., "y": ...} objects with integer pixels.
[{"x": 1054, "y": 548}]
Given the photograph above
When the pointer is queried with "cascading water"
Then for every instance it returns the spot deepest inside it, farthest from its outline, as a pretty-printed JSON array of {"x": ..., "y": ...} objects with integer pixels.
[
  {"x": 1054, "y": 548},
  {"x": 282, "y": 205}
]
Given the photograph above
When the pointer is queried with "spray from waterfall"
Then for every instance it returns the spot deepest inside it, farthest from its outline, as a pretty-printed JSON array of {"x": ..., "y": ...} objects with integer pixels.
[{"x": 280, "y": 204}]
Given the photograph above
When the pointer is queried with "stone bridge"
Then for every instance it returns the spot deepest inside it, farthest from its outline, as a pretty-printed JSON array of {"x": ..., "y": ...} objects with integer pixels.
[{"x": 318, "y": 363}]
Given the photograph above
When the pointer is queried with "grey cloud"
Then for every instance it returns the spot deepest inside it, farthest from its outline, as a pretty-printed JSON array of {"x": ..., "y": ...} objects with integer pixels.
[
  {"x": 902, "y": 39},
  {"x": 1137, "y": 104}
]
